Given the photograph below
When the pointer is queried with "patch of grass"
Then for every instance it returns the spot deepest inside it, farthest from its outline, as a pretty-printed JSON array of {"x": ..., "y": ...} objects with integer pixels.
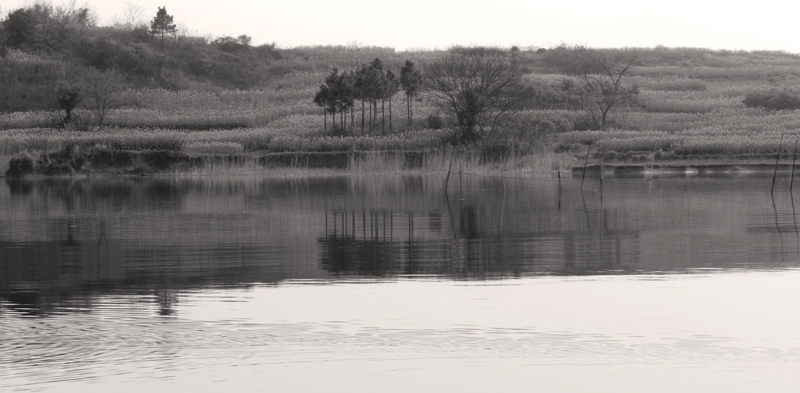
[{"x": 213, "y": 147}]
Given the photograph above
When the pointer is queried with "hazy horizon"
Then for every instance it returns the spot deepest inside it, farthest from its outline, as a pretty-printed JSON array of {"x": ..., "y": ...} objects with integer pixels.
[{"x": 440, "y": 25}]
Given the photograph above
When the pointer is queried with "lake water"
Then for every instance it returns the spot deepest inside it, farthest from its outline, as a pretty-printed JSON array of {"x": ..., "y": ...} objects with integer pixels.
[{"x": 388, "y": 283}]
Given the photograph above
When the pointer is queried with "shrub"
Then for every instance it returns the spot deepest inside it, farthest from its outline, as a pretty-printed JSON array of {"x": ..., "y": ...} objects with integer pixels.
[
  {"x": 774, "y": 99},
  {"x": 435, "y": 122}
]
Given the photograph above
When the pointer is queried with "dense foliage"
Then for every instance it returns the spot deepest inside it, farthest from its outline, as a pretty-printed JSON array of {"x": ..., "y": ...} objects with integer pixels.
[
  {"x": 775, "y": 99},
  {"x": 154, "y": 55}
]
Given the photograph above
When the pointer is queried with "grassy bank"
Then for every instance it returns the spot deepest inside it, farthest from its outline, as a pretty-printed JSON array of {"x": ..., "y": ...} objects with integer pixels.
[
  {"x": 689, "y": 107},
  {"x": 95, "y": 160}
]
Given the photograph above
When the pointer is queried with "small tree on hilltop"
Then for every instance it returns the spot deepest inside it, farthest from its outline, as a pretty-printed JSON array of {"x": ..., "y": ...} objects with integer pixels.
[
  {"x": 162, "y": 24},
  {"x": 411, "y": 81}
]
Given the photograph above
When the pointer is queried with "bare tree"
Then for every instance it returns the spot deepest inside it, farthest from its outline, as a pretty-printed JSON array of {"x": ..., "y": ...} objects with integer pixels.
[
  {"x": 602, "y": 74},
  {"x": 181, "y": 33},
  {"x": 132, "y": 16},
  {"x": 101, "y": 91},
  {"x": 478, "y": 87}
]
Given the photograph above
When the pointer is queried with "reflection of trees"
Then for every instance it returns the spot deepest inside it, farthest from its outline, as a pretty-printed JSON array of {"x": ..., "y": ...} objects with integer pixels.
[
  {"x": 365, "y": 243},
  {"x": 470, "y": 240}
]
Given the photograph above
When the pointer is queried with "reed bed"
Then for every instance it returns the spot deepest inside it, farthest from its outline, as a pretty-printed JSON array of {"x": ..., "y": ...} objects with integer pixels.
[
  {"x": 378, "y": 162},
  {"x": 471, "y": 161},
  {"x": 430, "y": 161},
  {"x": 213, "y": 147},
  {"x": 714, "y": 140},
  {"x": 15, "y": 141},
  {"x": 409, "y": 140}
]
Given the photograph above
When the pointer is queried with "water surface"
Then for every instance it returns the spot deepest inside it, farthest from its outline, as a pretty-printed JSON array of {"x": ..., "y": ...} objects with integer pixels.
[{"x": 391, "y": 283}]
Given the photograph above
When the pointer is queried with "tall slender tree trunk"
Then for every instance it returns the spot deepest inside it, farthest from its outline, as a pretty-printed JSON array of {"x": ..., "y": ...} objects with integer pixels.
[
  {"x": 352, "y": 117},
  {"x": 325, "y": 122},
  {"x": 371, "y": 117},
  {"x": 374, "y": 114},
  {"x": 390, "y": 115},
  {"x": 383, "y": 116},
  {"x": 363, "y": 111},
  {"x": 408, "y": 110}
]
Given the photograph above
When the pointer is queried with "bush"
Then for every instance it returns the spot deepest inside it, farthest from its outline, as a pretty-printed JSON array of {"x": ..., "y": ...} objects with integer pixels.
[
  {"x": 435, "y": 122},
  {"x": 774, "y": 100}
]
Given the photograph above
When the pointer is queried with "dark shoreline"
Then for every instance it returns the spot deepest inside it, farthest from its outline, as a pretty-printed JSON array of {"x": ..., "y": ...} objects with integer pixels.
[{"x": 91, "y": 162}]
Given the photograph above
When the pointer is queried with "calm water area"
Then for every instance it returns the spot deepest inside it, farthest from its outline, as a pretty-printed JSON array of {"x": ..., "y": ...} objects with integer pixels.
[{"x": 390, "y": 284}]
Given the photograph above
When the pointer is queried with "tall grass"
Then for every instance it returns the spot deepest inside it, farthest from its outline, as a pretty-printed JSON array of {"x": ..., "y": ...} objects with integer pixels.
[
  {"x": 378, "y": 162},
  {"x": 393, "y": 162}
]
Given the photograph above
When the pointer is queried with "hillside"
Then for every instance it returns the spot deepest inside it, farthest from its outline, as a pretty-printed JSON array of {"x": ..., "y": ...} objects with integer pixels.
[{"x": 225, "y": 96}]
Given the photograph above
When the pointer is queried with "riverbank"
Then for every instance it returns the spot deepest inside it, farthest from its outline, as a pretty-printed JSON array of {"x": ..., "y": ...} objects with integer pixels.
[{"x": 101, "y": 160}]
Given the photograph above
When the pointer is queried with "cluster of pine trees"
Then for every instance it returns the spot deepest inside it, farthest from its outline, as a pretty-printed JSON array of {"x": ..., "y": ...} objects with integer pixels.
[{"x": 369, "y": 85}]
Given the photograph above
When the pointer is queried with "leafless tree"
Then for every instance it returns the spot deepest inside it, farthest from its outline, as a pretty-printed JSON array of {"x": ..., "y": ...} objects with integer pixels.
[
  {"x": 478, "y": 87},
  {"x": 132, "y": 16},
  {"x": 602, "y": 74},
  {"x": 102, "y": 92}
]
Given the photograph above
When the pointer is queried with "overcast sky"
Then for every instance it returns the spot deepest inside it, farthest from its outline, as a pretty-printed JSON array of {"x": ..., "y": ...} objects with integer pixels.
[{"x": 429, "y": 24}]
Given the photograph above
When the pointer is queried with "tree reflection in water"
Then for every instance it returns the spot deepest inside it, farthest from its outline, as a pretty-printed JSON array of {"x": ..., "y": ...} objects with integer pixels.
[{"x": 65, "y": 241}]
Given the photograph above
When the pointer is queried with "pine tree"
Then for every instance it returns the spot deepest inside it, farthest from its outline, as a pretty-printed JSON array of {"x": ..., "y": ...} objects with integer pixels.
[
  {"x": 321, "y": 99},
  {"x": 375, "y": 86},
  {"x": 360, "y": 91},
  {"x": 411, "y": 80},
  {"x": 391, "y": 87},
  {"x": 162, "y": 24}
]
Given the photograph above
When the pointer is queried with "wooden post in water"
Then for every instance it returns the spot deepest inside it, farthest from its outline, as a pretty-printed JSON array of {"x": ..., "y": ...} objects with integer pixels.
[
  {"x": 775, "y": 173},
  {"x": 601, "y": 169},
  {"x": 585, "y": 163},
  {"x": 449, "y": 168},
  {"x": 559, "y": 188},
  {"x": 652, "y": 163},
  {"x": 794, "y": 158}
]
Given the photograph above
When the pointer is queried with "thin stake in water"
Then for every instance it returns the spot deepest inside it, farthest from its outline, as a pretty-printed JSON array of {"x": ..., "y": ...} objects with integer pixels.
[
  {"x": 585, "y": 163},
  {"x": 794, "y": 158},
  {"x": 775, "y": 173}
]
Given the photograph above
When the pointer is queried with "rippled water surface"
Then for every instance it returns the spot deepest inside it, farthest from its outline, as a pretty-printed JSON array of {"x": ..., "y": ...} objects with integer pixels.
[{"x": 389, "y": 283}]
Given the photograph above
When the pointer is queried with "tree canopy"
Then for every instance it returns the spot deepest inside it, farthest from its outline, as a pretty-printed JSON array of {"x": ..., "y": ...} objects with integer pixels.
[
  {"x": 162, "y": 24},
  {"x": 478, "y": 88}
]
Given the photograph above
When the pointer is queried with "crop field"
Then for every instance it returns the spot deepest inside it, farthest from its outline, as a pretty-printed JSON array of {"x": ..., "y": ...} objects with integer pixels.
[{"x": 684, "y": 107}]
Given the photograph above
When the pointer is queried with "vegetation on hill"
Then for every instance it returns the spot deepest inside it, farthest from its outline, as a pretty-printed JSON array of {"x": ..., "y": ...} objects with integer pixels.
[
  {"x": 41, "y": 44},
  {"x": 67, "y": 81}
]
